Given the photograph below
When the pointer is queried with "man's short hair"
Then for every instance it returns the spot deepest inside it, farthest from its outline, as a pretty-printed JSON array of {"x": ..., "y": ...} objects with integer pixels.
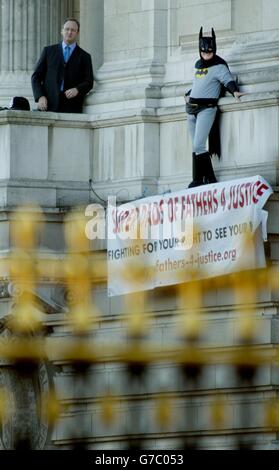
[{"x": 74, "y": 20}]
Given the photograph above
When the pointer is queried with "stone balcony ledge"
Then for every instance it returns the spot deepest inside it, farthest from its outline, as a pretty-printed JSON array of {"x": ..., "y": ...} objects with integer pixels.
[
  {"x": 135, "y": 152},
  {"x": 167, "y": 105}
]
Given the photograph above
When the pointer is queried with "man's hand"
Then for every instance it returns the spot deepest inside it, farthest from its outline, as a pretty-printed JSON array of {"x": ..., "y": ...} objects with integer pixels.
[
  {"x": 42, "y": 103},
  {"x": 71, "y": 93},
  {"x": 238, "y": 94}
]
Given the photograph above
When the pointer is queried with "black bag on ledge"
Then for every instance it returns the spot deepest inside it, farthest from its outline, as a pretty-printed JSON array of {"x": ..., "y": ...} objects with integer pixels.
[{"x": 18, "y": 103}]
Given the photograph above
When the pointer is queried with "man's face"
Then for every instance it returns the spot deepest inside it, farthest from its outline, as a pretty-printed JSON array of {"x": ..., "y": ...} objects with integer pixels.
[
  {"x": 207, "y": 45},
  {"x": 207, "y": 55},
  {"x": 70, "y": 32}
]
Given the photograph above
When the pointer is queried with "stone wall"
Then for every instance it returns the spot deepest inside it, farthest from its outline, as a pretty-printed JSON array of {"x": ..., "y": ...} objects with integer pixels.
[{"x": 132, "y": 141}]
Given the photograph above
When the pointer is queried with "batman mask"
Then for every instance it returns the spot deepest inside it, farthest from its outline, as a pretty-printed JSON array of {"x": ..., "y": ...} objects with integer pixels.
[{"x": 207, "y": 43}]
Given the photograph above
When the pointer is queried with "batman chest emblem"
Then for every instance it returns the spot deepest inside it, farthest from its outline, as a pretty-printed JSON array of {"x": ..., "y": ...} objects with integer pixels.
[{"x": 201, "y": 73}]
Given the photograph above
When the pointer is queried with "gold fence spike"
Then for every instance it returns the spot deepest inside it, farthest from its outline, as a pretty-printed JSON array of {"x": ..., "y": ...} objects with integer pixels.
[
  {"x": 52, "y": 406},
  {"x": 218, "y": 412},
  {"x": 190, "y": 302},
  {"x": 4, "y": 405},
  {"x": 26, "y": 318},
  {"x": 26, "y": 226},
  {"x": 163, "y": 411},
  {"x": 74, "y": 229},
  {"x": 108, "y": 409},
  {"x": 272, "y": 414}
]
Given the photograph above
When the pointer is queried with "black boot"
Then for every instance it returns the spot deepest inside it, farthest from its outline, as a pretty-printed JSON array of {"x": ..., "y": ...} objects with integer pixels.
[
  {"x": 197, "y": 172},
  {"x": 208, "y": 174}
]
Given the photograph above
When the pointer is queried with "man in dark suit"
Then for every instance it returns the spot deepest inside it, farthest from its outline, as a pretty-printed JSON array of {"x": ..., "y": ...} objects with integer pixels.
[{"x": 63, "y": 74}]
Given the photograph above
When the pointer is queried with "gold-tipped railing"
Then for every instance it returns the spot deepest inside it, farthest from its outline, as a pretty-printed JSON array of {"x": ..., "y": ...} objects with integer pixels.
[{"x": 29, "y": 344}]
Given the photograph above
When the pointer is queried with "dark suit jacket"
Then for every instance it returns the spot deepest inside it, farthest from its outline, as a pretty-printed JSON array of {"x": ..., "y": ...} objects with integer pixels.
[{"x": 51, "y": 70}]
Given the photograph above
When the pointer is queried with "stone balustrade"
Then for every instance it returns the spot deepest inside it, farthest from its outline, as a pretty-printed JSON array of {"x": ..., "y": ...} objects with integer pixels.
[{"x": 50, "y": 158}]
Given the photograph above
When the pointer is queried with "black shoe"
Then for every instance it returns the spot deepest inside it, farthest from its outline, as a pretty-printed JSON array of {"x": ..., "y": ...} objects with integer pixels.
[
  {"x": 207, "y": 172},
  {"x": 195, "y": 183},
  {"x": 197, "y": 173}
]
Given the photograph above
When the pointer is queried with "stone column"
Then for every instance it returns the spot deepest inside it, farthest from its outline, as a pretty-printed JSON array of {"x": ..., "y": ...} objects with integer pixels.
[
  {"x": 92, "y": 30},
  {"x": 26, "y": 27},
  {"x": 134, "y": 52}
]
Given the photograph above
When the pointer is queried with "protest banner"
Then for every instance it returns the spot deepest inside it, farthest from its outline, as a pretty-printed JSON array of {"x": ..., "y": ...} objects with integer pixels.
[{"x": 206, "y": 231}]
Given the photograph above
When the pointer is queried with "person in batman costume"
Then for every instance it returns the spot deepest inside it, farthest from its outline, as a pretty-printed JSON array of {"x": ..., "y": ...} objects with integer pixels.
[{"x": 212, "y": 74}]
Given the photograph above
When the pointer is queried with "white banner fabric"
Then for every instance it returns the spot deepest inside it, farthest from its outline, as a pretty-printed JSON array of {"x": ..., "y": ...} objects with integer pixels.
[{"x": 202, "y": 232}]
